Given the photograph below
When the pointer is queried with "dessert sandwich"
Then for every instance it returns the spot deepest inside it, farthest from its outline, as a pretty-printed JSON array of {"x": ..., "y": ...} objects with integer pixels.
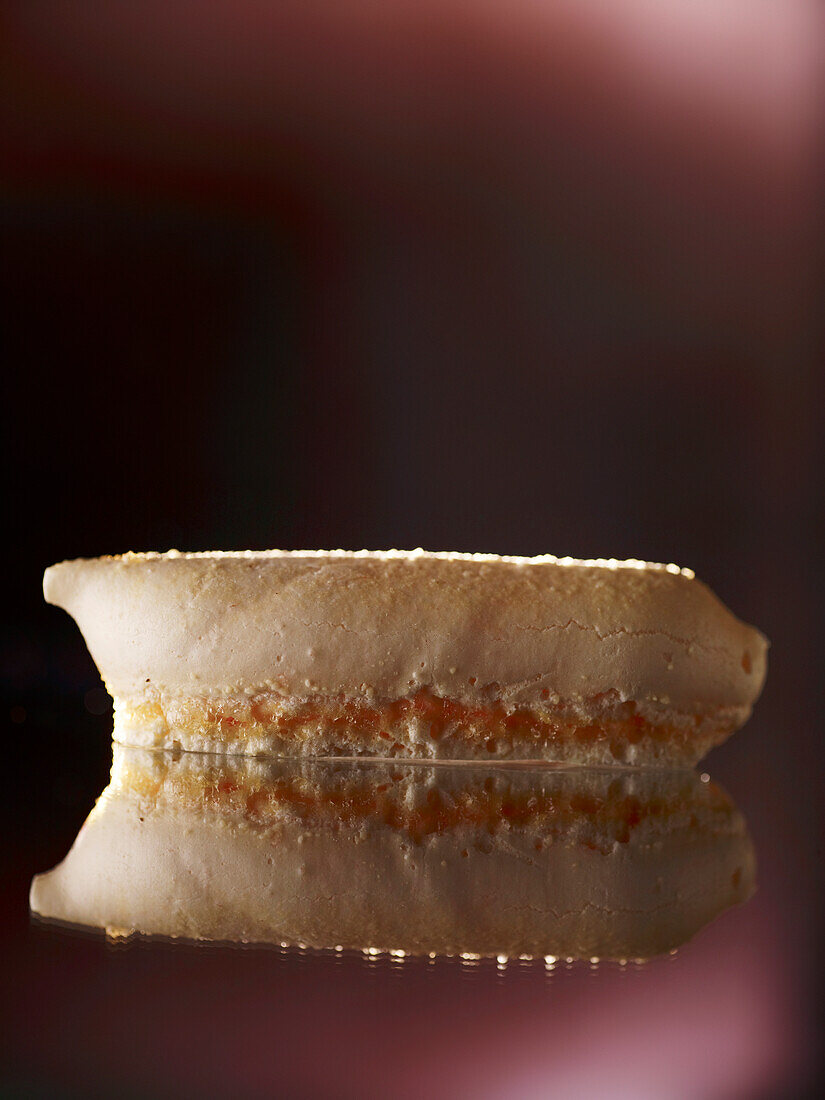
[{"x": 414, "y": 654}]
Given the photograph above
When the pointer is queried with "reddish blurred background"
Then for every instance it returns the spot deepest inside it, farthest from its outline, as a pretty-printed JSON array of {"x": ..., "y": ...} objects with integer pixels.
[{"x": 526, "y": 277}]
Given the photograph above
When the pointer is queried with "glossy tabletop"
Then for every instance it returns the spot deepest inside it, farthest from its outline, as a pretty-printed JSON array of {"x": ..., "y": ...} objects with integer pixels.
[{"x": 729, "y": 1013}]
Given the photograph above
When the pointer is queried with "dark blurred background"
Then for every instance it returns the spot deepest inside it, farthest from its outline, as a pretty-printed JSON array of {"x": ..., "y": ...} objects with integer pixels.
[{"x": 512, "y": 277}]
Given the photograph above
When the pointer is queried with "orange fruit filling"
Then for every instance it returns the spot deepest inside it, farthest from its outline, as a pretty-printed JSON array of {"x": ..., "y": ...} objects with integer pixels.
[{"x": 353, "y": 721}]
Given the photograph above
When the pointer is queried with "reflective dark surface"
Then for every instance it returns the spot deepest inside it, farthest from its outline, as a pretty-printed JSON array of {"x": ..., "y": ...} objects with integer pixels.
[
  {"x": 731, "y": 1013},
  {"x": 507, "y": 861}
]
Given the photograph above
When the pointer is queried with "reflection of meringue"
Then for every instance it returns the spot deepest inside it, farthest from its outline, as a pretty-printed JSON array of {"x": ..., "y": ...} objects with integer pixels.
[{"x": 446, "y": 858}]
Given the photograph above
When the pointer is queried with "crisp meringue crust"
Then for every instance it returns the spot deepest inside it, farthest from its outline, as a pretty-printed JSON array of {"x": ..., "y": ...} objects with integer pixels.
[{"x": 543, "y": 636}]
